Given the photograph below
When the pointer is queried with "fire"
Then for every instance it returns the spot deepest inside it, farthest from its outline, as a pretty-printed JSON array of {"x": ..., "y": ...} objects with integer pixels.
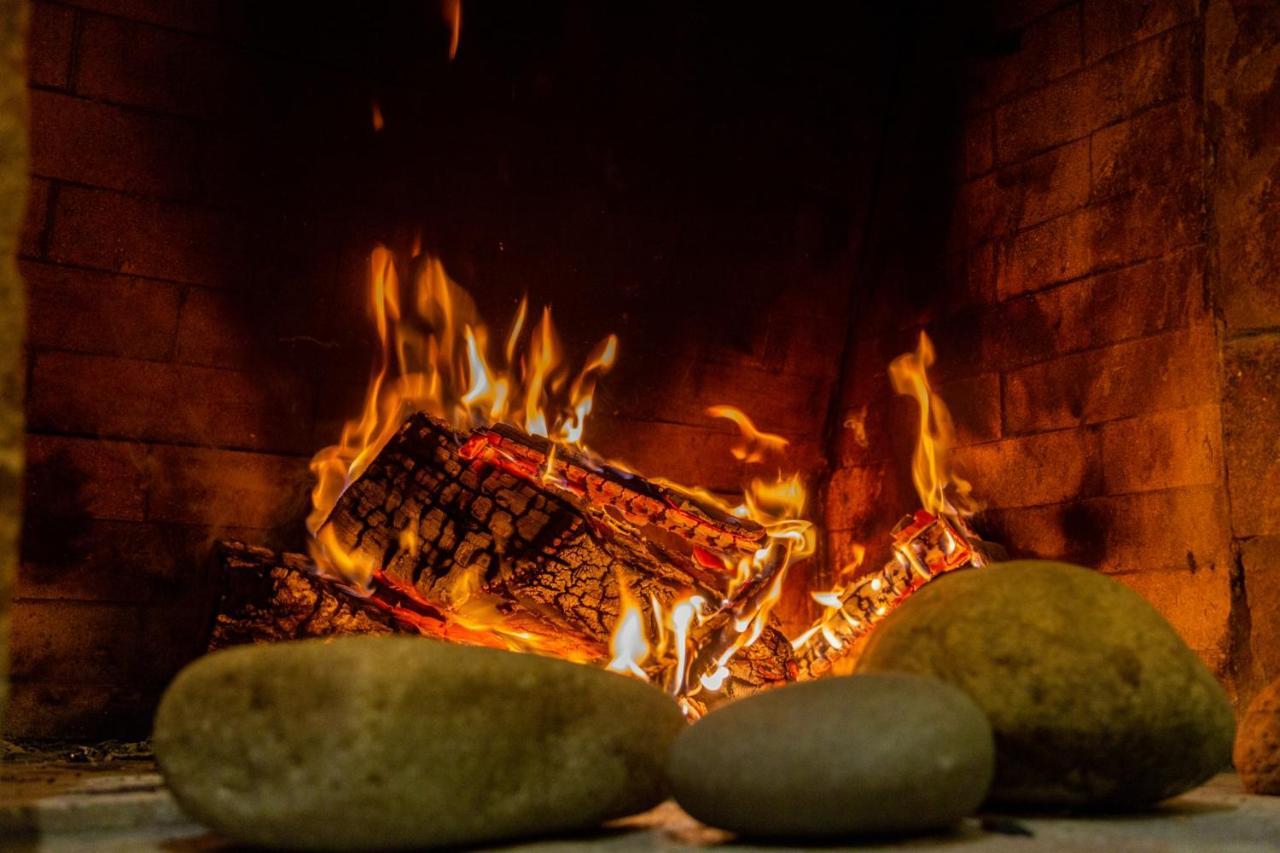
[
  {"x": 941, "y": 491},
  {"x": 932, "y": 540},
  {"x": 434, "y": 356}
]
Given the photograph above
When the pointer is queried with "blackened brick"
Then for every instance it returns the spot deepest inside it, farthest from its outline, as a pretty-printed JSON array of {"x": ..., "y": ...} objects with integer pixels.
[
  {"x": 1110, "y": 25},
  {"x": 1169, "y": 371},
  {"x": 112, "y": 147},
  {"x": 1039, "y": 469},
  {"x": 49, "y": 45},
  {"x": 118, "y": 233},
  {"x": 94, "y": 312},
  {"x": 76, "y": 477},
  {"x": 228, "y": 488},
  {"x": 130, "y": 63},
  {"x": 151, "y": 401},
  {"x": 1250, "y": 413}
]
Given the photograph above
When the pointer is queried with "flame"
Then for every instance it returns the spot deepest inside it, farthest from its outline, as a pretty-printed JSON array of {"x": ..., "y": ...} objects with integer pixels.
[
  {"x": 930, "y": 464},
  {"x": 629, "y": 645},
  {"x": 434, "y": 356},
  {"x": 451, "y": 11},
  {"x": 754, "y": 443},
  {"x": 378, "y": 123}
]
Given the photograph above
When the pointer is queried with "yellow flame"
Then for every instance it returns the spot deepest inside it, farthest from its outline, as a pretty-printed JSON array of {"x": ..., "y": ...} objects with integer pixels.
[
  {"x": 941, "y": 491},
  {"x": 433, "y": 356},
  {"x": 754, "y": 444},
  {"x": 629, "y": 644}
]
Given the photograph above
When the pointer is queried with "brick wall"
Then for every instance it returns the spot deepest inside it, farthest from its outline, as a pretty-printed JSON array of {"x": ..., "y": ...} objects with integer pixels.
[
  {"x": 145, "y": 439},
  {"x": 205, "y": 190},
  {"x": 1078, "y": 313}
]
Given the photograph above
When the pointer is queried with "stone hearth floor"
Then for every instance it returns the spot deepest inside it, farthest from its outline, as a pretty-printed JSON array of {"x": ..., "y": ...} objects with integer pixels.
[{"x": 59, "y": 799}]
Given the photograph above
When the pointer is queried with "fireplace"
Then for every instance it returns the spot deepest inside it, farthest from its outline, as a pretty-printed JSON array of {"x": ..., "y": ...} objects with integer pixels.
[{"x": 1068, "y": 198}]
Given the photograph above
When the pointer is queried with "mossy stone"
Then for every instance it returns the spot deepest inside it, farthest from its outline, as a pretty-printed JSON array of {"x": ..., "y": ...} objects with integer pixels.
[
  {"x": 851, "y": 757},
  {"x": 391, "y": 742},
  {"x": 1094, "y": 698}
]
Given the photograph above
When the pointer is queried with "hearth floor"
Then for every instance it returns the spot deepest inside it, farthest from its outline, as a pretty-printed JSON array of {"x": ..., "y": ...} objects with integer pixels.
[{"x": 68, "y": 801}]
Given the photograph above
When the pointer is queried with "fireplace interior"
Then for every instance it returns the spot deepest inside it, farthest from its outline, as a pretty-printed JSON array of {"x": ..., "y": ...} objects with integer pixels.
[{"x": 1072, "y": 200}]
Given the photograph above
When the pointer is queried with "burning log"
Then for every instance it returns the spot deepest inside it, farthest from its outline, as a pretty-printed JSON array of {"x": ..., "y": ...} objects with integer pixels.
[
  {"x": 271, "y": 597},
  {"x": 503, "y": 539}
]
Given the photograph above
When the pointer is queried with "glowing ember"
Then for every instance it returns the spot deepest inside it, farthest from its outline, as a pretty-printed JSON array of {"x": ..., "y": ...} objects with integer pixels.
[{"x": 523, "y": 411}]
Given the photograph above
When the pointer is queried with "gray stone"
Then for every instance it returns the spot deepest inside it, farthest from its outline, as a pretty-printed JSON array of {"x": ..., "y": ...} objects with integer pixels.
[
  {"x": 1094, "y": 699},
  {"x": 369, "y": 743},
  {"x": 1257, "y": 749},
  {"x": 845, "y": 757}
]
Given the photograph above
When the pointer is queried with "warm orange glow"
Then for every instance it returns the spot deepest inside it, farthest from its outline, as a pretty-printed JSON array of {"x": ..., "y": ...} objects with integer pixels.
[
  {"x": 434, "y": 356},
  {"x": 941, "y": 491},
  {"x": 754, "y": 444},
  {"x": 451, "y": 11},
  {"x": 378, "y": 123},
  {"x": 629, "y": 644}
]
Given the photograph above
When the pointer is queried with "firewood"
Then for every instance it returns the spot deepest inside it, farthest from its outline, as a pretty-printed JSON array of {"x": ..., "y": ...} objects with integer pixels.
[{"x": 270, "y": 597}]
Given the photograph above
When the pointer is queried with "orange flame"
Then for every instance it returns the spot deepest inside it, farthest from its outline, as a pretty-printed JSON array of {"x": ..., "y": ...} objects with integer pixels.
[
  {"x": 433, "y": 356},
  {"x": 941, "y": 491},
  {"x": 754, "y": 443}
]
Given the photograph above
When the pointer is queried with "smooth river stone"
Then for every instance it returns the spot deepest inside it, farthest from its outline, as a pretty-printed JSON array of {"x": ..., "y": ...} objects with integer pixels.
[
  {"x": 369, "y": 743},
  {"x": 1257, "y": 750},
  {"x": 859, "y": 756},
  {"x": 1094, "y": 698}
]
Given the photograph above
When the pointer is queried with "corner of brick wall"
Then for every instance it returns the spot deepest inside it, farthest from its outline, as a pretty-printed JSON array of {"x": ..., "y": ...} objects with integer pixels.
[{"x": 1076, "y": 341}]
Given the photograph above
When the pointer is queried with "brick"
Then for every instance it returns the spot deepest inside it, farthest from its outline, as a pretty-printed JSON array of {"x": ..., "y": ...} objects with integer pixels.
[
  {"x": 981, "y": 273},
  {"x": 1114, "y": 233},
  {"x": 685, "y": 454},
  {"x": 1048, "y": 48},
  {"x": 49, "y": 45},
  {"x": 197, "y": 16},
  {"x": 73, "y": 642},
  {"x": 151, "y": 401},
  {"x": 214, "y": 330},
  {"x": 1181, "y": 529},
  {"x": 1157, "y": 148},
  {"x": 1039, "y": 469},
  {"x": 157, "y": 239},
  {"x": 1170, "y": 371},
  {"x": 197, "y": 485},
  {"x": 36, "y": 218},
  {"x": 1110, "y": 25},
  {"x": 974, "y": 404},
  {"x": 1241, "y": 56},
  {"x": 868, "y": 501},
  {"x": 125, "y": 562},
  {"x": 1250, "y": 412},
  {"x": 1027, "y": 193},
  {"x": 94, "y": 312},
  {"x": 1260, "y": 558},
  {"x": 979, "y": 153},
  {"x": 112, "y": 147},
  {"x": 1196, "y": 604},
  {"x": 85, "y": 478},
  {"x": 93, "y": 712},
  {"x": 1141, "y": 76},
  {"x": 1132, "y": 302},
  {"x": 1163, "y": 451},
  {"x": 128, "y": 63},
  {"x": 793, "y": 405}
]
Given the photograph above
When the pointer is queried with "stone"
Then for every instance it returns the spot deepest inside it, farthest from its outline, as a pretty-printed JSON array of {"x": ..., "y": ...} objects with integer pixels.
[
  {"x": 1257, "y": 749},
  {"x": 13, "y": 197},
  {"x": 368, "y": 743},
  {"x": 1095, "y": 700},
  {"x": 858, "y": 756}
]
